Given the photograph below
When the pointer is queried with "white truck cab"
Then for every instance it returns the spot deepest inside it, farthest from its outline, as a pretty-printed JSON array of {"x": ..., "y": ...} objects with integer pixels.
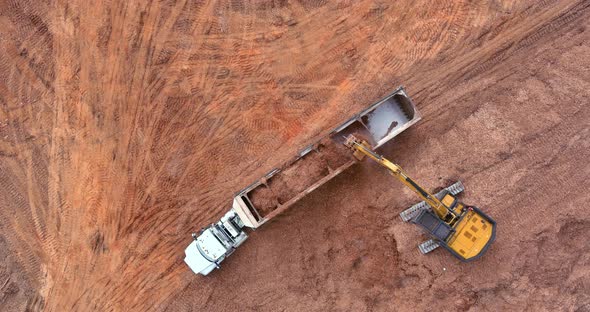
[{"x": 214, "y": 243}]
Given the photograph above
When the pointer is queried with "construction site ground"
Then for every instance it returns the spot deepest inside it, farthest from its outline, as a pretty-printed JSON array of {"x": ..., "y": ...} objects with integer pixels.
[{"x": 127, "y": 125}]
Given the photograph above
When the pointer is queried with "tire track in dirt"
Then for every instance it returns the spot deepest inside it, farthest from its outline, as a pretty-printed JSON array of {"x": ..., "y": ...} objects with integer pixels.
[
  {"x": 509, "y": 42},
  {"x": 22, "y": 87},
  {"x": 145, "y": 136}
]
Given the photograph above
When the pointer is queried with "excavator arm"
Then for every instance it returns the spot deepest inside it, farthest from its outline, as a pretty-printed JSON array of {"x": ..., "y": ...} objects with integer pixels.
[{"x": 361, "y": 149}]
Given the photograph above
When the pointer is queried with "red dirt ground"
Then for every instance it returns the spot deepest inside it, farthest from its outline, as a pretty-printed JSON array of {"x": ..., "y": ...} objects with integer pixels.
[{"x": 126, "y": 125}]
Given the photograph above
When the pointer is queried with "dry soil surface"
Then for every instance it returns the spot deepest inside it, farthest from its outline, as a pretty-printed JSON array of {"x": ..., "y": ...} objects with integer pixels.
[{"x": 126, "y": 125}]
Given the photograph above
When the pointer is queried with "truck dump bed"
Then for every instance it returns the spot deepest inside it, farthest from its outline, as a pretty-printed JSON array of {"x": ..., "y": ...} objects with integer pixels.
[{"x": 323, "y": 160}]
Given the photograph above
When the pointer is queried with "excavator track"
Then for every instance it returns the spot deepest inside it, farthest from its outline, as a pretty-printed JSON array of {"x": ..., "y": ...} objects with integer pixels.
[
  {"x": 428, "y": 246},
  {"x": 455, "y": 188},
  {"x": 413, "y": 211},
  {"x": 410, "y": 213}
]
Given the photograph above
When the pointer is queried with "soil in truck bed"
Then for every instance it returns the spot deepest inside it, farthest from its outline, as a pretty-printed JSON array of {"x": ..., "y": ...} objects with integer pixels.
[
  {"x": 335, "y": 154},
  {"x": 263, "y": 199},
  {"x": 298, "y": 176}
]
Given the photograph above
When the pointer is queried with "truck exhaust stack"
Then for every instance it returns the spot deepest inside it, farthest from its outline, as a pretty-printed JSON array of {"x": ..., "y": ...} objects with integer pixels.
[{"x": 283, "y": 186}]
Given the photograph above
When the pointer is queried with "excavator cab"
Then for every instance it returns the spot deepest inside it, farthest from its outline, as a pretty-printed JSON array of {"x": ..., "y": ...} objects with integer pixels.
[
  {"x": 467, "y": 237},
  {"x": 472, "y": 235}
]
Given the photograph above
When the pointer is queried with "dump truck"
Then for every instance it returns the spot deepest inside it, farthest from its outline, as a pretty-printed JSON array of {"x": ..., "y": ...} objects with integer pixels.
[{"x": 283, "y": 186}]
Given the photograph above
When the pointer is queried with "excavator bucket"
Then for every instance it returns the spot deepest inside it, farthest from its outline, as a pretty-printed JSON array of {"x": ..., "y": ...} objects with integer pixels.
[{"x": 323, "y": 160}]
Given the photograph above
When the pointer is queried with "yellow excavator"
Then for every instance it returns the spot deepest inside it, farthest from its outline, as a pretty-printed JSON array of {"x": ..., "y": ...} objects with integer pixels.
[{"x": 463, "y": 230}]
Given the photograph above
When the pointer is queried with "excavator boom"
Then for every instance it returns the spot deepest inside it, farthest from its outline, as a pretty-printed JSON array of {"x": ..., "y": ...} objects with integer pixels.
[{"x": 362, "y": 148}]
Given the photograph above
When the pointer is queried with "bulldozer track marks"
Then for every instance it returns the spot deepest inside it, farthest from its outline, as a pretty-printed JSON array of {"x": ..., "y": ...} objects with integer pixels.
[{"x": 125, "y": 126}]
